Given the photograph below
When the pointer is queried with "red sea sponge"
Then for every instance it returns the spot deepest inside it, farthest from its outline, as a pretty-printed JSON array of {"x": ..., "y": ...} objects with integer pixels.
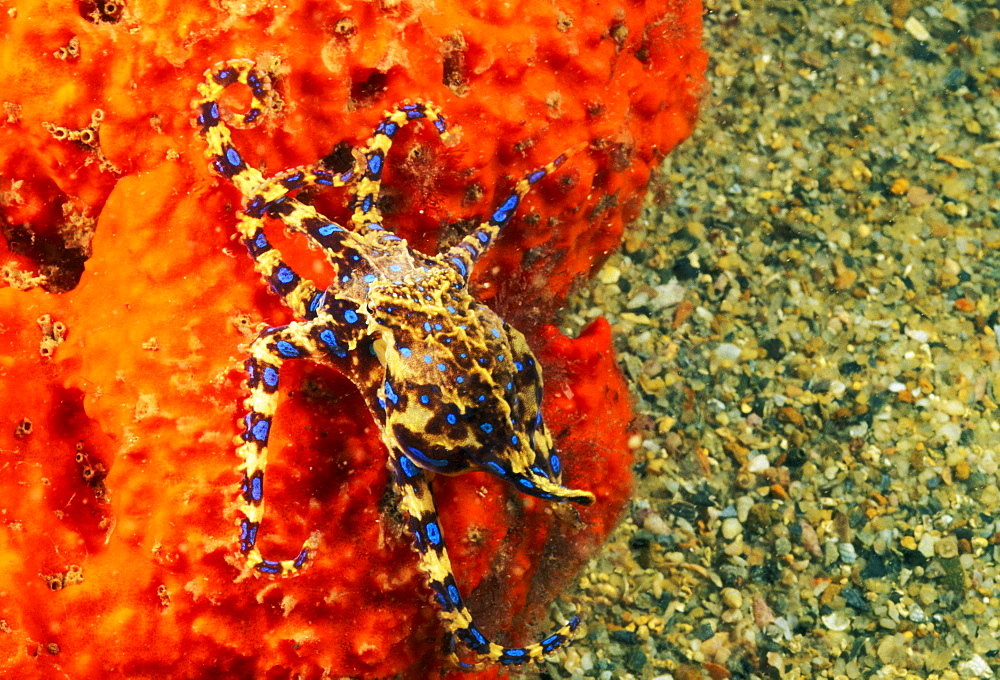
[{"x": 121, "y": 357}]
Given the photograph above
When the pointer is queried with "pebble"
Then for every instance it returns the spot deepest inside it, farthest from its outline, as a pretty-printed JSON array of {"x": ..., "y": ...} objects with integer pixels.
[
  {"x": 976, "y": 667},
  {"x": 732, "y": 598},
  {"x": 731, "y": 528}
]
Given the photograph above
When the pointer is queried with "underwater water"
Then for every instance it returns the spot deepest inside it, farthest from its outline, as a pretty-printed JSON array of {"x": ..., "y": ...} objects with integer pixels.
[{"x": 808, "y": 313}]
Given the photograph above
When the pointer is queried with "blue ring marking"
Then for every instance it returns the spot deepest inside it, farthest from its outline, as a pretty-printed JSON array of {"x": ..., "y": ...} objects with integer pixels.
[
  {"x": 495, "y": 332},
  {"x": 424, "y": 458},
  {"x": 316, "y": 301},
  {"x": 260, "y": 430},
  {"x": 510, "y": 203},
  {"x": 328, "y": 229},
  {"x": 463, "y": 355},
  {"x": 495, "y": 467},
  {"x": 440, "y": 125},
  {"x": 292, "y": 180},
  {"x": 574, "y": 622},
  {"x": 450, "y": 309},
  {"x": 395, "y": 267},
  {"x": 483, "y": 237},
  {"x": 535, "y": 176},
  {"x": 510, "y": 385},
  {"x": 260, "y": 241},
  {"x": 514, "y": 652},
  {"x": 461, "y": 266},
  {"x": 301, "y": 559},
  {"x": 345, "y": 278},
  {"x": 366, "y": 203},
  {"x": 514, "y": 440},
  {"x": 257, "y": 487},
  {"x": 476, "y": 634},
  {"x": 424, "y": 399},
  {"x": 392, "y": 396},
  {"x": 407, "y": 466},
  {"x": 442, "y": 367},
  {"x": 269, "y": 567},
  {"x": 554, "y": 463},
  {"x": 460, "y": 379},
  {"x": 328, "y": 337},
  {"x": 209, "y": 115},
  {"x": 482, "y": 397},
  {"x": 526, "y": 483},
  {"x": 453, "y": 595},
  {"x": 433, "y": 533},
  {"x": 438, "y": 327},
  {"x": 381, "y": 403},
  {"x": 486, "y": 427},
  {"x": 518, "y": 366},
  {"x": 500, "y": 358},
  {"x": 451, "y": 419},
  {"x": 350, "y": 316},
  {"x": 270, "y": 376},
  {"x": 285, "y": 275},
  {"x": 232, "y": 157},
  {"x": 405, "y": 351},
  {"x": 287, "y": 349},
  {"x": 369, "y": 278},
  {"x": 427, "y": 326},
  {"x": 390, "y": 129},
  {"x": 374, "y": 163},
  {"x": 428, "y": 359}
]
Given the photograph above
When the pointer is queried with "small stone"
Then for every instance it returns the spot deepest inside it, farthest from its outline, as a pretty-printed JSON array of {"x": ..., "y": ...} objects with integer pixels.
[
  {"x": 900, "y": 186},
  {"x": 848, "y": 555},
  {"x": 836, "y": 621},
  {"x": 727, "y": 352},
  {"x": 731, "y": 528},
  {"x": 926, "y": 546},
  {"x": 916, "y": 29},
  {"x": 917, "y": 614},
  {"x": 656, "y": 524},
  {"x": 610, "y": 274},
  {"x": 976, "y": 667},
  {"x": 732, "y": 598},
  {"x": 892, "y": 649},
  {"x": 758, "y": 464}
]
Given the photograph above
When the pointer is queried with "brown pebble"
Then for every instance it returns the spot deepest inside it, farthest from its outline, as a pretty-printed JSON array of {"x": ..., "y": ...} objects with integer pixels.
[
  {"x": 965, "y": 305},
  {"x": 789, "y": 414},
  {"x": 716, "y": 672}
]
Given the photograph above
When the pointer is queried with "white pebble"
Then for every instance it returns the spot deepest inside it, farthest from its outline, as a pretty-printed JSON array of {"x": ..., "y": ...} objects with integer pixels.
[
  {"x": 731, "y": 528},
  {"x": 836, "y": 621},
  {"x": 848, "y": 555},
  {"x": 976, "y": 667},
  {"x": 727, "y": 351},
  {"x": 758, "y": 464},
  {"x": 926, "y": 545}
]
